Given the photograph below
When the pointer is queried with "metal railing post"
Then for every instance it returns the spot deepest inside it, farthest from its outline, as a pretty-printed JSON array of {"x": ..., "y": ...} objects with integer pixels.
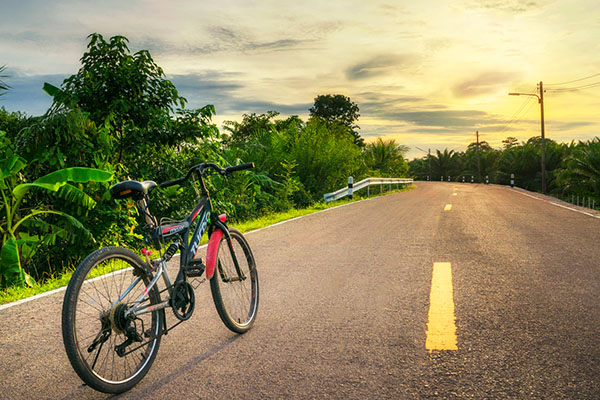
[{"x": 350, "y": 183}]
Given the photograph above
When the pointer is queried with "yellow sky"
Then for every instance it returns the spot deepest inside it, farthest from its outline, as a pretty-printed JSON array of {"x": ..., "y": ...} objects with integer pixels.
[{"x": 427, "y": 73}]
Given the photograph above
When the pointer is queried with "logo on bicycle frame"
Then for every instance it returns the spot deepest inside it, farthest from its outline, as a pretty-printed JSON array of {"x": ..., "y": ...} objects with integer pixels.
[{"x": 198, "y": 234}]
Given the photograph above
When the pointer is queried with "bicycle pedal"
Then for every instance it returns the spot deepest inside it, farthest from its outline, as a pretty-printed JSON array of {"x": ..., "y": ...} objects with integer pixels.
[
  {"x": 196, "y": 261},
  {"x": 195, "y": 268}
]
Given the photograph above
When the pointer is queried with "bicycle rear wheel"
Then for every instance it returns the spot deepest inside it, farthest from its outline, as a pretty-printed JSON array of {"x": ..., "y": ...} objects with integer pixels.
[
  {"x": 110, "y": 352},
  {"x": 235, "y": 296}
]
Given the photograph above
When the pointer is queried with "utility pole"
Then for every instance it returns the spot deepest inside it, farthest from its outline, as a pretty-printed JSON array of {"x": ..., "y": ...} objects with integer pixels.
[
  {"x": 543, "y": 139},
  {"x": 429, "y": 159},
  {"x": 478, "y": 163},
  {"x": 541, "y": 101}
]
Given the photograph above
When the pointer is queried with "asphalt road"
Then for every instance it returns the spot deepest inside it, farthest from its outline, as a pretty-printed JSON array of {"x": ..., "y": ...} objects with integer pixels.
[{"x": 344, "y": 309}]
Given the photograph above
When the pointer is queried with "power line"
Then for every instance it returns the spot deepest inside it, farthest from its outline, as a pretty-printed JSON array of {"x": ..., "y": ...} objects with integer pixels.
[
  {"x": 576, "y": 88},
  {"x": 575, "y": 80},
  {"x": 516, "y": 117}
]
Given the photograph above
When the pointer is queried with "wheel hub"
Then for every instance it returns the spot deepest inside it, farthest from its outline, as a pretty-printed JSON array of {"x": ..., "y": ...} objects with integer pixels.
[{"x": 118, "y": 321}]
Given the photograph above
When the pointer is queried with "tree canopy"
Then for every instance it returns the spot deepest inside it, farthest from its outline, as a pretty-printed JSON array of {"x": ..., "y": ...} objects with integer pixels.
[{"x": 338, "y": 109}]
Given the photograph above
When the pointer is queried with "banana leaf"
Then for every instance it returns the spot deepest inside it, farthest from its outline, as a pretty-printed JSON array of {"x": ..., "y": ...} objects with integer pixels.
[
  {"x": 57, "y": 179},
  {"x": 10, "y": 268}
]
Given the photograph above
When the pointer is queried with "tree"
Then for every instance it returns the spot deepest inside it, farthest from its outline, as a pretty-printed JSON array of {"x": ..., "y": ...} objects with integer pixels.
[
  {"x": 487, "y": 161},
  {"x": 252, "y": 126},
  {"x": 445, "y": 163},
  {"x": 3, "y": 86},
  {"x": 510, "y": 142},
  {"x": 127, "y": 91},
  {"x": 324, "y": 159},
  {"x": 338, "y": 109},
  {"x": 387, "y": 157},
  {"x": 419, "y": 168}
]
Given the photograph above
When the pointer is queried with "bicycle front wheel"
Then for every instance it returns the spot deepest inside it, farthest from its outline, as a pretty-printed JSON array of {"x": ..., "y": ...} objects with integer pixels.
[
  {"x": 235, "y": 292},
  {"x": 110, "y": 351}
]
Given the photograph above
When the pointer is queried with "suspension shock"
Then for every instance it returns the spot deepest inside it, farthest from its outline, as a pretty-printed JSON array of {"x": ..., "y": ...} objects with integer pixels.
[{"x": 170, "y": 252}]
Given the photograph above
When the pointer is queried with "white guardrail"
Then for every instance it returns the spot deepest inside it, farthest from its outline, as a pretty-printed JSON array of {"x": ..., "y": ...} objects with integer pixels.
[{"x": 348, "y": 191}]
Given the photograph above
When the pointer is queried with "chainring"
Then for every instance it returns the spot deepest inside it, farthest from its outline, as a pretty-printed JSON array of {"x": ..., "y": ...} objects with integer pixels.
[{"x": 183, "y": 300}]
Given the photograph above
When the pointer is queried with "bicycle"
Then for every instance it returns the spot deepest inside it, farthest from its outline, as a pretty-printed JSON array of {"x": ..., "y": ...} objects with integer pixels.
[{"x": 113, "y": 317}]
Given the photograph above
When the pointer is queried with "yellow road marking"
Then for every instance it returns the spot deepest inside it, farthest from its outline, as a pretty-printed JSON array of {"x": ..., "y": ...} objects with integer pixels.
[
  {"x": 441, "y": 328},
  {"x": 448, "y": 207}
]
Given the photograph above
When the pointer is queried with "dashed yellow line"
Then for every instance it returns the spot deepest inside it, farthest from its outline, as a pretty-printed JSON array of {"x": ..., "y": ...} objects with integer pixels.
[
  {"x": 448, "y": 207},
  {"x": 441, "y": 327}
]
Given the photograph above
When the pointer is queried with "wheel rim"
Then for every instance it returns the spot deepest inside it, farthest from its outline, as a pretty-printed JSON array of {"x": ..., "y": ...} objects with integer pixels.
[
  {"x": 239, "y": 297},
  {"x": 94, "y": 314}
]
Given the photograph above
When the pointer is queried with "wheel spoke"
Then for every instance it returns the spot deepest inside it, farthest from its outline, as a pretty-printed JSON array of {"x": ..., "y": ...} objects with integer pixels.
[{"x": 92, "y": 301}]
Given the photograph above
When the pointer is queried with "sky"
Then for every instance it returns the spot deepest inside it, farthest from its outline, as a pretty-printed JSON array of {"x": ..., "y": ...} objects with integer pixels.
[{"x": 428, "y": 74}]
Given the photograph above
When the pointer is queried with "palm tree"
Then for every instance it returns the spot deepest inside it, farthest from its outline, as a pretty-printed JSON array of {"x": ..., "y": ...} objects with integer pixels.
[
  {"x": 387, "y": 156},
  {"x": 3, "y": 86},
  {"x": 583, "y": 167},
  {"x": 446, "y": 163}
]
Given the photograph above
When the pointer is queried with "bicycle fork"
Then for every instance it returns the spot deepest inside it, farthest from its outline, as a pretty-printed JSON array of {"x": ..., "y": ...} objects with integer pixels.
[{"x": 213, "y": 247}]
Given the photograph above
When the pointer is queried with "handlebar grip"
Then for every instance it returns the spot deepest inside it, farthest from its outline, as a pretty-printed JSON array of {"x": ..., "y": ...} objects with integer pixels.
[
  {"x": 171, "y": 183},
  {"x": 239, "y": 167}
]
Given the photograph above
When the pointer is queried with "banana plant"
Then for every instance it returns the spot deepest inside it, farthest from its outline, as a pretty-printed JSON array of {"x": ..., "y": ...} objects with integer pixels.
[{"x": 18, "y": 244}]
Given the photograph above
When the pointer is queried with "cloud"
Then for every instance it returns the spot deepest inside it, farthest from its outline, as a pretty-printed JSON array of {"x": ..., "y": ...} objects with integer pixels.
[
  {"x": 282, "y": 44},
  {"x": 379, "y": 65},
  {"x": 445, "y": 118},
  {"x": 485, "y": 83},
  {"x": 414, "y": 110},
  {"x": 206, "y": 81},
  {"x": 560, "y": 126},
  {"x": 219, "y": 39},
  {"x": 223, "y": 90},
  {"x": 376, "y": 100},
  {"x": 511, "y": 6},
  {"x": 26, "y": 94}
]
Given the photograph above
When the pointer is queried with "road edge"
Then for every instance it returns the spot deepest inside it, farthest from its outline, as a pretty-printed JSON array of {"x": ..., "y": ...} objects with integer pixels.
[{"x": 63, "y": 288}]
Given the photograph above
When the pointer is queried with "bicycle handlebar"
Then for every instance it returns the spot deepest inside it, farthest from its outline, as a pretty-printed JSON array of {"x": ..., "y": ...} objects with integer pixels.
[
  {"x": 239, "y": 167},
  {"x": 200, "y": 168}
]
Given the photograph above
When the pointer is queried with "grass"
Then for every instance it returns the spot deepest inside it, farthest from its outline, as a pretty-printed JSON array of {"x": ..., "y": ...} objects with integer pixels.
[{"x": 62, "y": 279}]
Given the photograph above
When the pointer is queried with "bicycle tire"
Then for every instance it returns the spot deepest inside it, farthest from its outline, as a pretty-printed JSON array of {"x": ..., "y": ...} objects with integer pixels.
[
  {"x": 87, "y": 312},
  {"x": 237, "y": 301}
]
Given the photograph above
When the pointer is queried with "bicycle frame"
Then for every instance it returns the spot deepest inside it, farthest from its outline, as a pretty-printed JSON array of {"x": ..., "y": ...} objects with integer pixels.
[{"x": 180, "y": 233}]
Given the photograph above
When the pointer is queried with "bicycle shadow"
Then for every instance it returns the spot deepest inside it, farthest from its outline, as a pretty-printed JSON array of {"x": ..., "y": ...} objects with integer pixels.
[{"x": 146, "y": 391}]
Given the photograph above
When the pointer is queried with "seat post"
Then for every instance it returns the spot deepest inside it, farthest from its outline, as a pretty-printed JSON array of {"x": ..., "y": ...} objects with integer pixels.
[{"x": 142, "y": 206}]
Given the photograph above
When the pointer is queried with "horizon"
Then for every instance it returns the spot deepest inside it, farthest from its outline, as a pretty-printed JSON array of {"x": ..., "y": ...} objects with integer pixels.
[{"x": 428, "y": 75}]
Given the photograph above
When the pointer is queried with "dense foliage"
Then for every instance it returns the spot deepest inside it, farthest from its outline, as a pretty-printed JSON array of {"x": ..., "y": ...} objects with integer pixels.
[
  {"x": 119, "y": 114},
  {"x": 571, "y": 169}
]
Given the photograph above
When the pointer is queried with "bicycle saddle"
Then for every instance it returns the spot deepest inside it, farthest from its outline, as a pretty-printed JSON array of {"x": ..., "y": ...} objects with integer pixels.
[{"x": 135, "y": 189}]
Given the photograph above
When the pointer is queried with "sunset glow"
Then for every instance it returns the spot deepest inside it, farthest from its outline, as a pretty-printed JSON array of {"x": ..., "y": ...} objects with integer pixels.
[{"x": 428, "y": 74}]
